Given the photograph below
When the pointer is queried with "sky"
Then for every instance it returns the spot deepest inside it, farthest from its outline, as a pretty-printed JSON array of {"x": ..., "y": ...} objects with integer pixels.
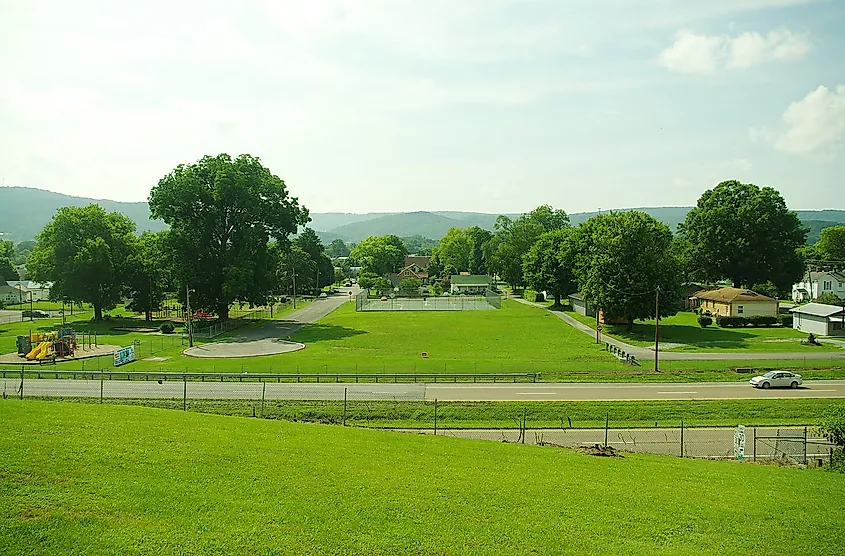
[{"x": 395, "y": 105}]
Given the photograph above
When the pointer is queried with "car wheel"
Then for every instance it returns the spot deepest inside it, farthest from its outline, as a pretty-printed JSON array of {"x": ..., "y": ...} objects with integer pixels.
[
  {"x": 765, "y": 385},
  {"x": 794, "y": 385}
]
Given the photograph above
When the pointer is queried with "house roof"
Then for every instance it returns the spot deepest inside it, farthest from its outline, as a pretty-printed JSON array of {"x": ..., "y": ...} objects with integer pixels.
[
  {"x": 729, "y": 295},
  {"x": 818, "y": 275},
  {"x": 10, "y": 289},
  {"x": 418, "y": 260},
  {"x": 817, "y": 309},
  {"x": 29, "y": 284},
  {"x": 577, "y": 296},
  {"x": 470, "y": 280}
]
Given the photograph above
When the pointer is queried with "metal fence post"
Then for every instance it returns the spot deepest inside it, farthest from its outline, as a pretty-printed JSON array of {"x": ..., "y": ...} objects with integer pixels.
[
  {"x": 101, "y": 386},
  {"x": 435, "y": 416},
  {"x": 754, "y": 456},
  {"x": 263, "y": 390},
  {"x": 805, "y": 445},
  {"x": 344, "y": 407},
  {"x": 21, "y": 389},
  {"x": 606, "y": 423},
  {"x": 184, "y": 392},
  {"x": 682, "y": 438},
  {"x": 523, "y": 426}
]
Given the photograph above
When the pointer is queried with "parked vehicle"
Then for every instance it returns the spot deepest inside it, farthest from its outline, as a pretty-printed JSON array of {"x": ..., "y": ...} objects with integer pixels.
[
  {"x": 775, "y": 379},
  {"x": 348, "y": 283},
  {"x": 36, "y": 314},
  {"x": 323, "y": 295}
]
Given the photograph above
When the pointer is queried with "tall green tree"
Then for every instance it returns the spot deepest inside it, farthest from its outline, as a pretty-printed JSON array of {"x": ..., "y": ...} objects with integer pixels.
[
  {"x": 478, "y": 238},
  {"x": 85, "y": 252},
  {"x": 550, "y": 263},
  {"x": 831, "y": 244},
  {"x": 296, "y": 271},
  {"x": 455, "y": 249},
  {"x": 149, "y": 273},
  {"x": 22, "y": 251},
  {"x": 222, "y": 213},
  {"x": 7, "y": 271},
  {"x": 380, "y": 255},
  {"x": 745, "y": 233},
  {"x": 7, "y": 249},
  {"x": 623, "y": 257},
  {"x": 310, "y": 242},
  {"x": 337, "y": 248}
]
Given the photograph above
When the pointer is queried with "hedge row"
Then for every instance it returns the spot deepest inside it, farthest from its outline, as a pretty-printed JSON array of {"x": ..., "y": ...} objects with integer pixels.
[
  {"x": 755, "y": 321},
  {"x": 531, "y": 295}
]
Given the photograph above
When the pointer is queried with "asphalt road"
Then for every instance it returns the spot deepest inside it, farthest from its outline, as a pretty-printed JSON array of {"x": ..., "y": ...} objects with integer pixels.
[{"x": 418, "y": 391}]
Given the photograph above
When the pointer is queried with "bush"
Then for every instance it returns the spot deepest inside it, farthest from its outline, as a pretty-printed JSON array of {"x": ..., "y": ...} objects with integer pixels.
[
  {"x": 833, "y": 428},
  {"x": 785, "y": 321},
  {"x": 166, "y": 328},
  {"x": 731, "y": 322},
  {"x": 531, "y": 295},
  {"x": 705, "y": 321},
  {"x": 763, "y": 320}
]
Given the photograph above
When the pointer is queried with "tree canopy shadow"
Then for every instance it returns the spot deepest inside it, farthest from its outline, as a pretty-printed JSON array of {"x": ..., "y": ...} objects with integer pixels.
[
  {"x": 318, "y": 332},
  {"x": 712, "y": 337}
]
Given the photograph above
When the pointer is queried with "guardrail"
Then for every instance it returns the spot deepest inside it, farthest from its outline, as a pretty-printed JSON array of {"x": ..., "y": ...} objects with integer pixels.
[{"x": 38, "y": 373}]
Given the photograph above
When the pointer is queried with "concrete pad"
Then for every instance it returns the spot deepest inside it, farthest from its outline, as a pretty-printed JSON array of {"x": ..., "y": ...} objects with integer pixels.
[{"x": 253, "y": 348}]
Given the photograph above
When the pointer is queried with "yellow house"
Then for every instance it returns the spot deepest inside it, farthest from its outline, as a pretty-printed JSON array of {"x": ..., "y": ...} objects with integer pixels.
[{"x": 736, "y": 302}]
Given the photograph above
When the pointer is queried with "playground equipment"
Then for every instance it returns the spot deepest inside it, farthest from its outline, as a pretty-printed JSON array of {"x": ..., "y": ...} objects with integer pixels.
[{"x": 62, "y": 343}]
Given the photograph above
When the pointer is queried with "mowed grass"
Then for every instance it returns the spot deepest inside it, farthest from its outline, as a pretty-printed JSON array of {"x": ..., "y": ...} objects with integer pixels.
[
  {"x": 683, "y": 328},
  {"x": 90, "y": 479}
]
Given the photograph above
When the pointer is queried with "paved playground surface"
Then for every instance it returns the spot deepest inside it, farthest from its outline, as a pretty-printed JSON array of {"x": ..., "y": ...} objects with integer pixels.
[
  {"x": 88, "y": 352},
  {"x": 271, "y": 339}
]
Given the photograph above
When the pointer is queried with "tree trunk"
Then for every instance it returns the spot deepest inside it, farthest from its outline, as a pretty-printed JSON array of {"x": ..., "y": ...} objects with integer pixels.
[
  {"x": 557, "y": 299},
  {"x": 98, "y": 312},
  {"x": 630, "y": 324},
  {"x": 223, "y": 311}
]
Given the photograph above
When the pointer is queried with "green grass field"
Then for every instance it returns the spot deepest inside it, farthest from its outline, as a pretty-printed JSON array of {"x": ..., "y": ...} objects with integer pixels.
[
  {"x": 518, "y": 338},
  {"x": 491, "y": 415},
  {"x": 90, "y": 479},
  {"x": 683, "y": 328}
]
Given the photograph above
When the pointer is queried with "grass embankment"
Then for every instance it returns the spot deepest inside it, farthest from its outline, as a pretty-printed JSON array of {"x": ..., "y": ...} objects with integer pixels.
[
  {"x": 683, "y": 328},
  {"x": 493, "y": 415},
  {"x": 114, "y": 480}
]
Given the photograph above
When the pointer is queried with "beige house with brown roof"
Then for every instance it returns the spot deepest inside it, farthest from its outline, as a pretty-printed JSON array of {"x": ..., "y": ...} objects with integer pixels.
[{"x": 736, "y": 302}]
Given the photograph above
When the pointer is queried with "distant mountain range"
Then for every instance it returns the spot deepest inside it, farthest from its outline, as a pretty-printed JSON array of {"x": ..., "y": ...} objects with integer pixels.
[{"x": 24, "y": 211}]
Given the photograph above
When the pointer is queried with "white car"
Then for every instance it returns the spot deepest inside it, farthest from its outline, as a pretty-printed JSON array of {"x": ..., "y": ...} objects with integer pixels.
[{"x": 771, "y": 379}]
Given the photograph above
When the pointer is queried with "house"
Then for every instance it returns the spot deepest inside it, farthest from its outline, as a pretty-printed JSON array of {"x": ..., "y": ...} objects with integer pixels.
[
  {"x": 580, "y": 306},
  {"x": 732, "y": 302},
  {"x": 816, "y": 283},
  {"x": 819, "y": 319},
  {"x": 11, "y": 294},
  {"x": 418, "y": 261},
  {"x": 688, "y": 291},
  {"x": 39, "y": 291},
  {"x": 475, "y": 284},
  {"x": 409, "y": 271}
]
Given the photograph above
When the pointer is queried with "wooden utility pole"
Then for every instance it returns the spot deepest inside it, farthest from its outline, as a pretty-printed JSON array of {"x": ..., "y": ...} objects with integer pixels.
[
  {"x": 656, "y": 326},
  {"x": 190, "y": 324}
]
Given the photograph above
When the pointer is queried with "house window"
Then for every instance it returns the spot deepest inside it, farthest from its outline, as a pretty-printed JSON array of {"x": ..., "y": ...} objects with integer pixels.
[
  {"x": 827, "y": 285},
  {"x": 739, "y": 309}
]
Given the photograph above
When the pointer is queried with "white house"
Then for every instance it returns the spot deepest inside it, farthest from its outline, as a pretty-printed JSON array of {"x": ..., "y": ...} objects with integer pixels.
[
  {"x": 816, "y": 283},
  {"x": 11, "y": 294},
  {"x": 476, "y": 284},
  {"x": 818, "y": 318},
  {"x": 39, "y": 291}
]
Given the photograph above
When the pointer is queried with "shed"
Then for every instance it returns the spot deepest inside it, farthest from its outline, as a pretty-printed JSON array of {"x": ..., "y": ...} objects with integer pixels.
[
  {"x": 819, "y": 319},
  {"x": 476, "y": 284},
  {"x": 580, "y": 306}
]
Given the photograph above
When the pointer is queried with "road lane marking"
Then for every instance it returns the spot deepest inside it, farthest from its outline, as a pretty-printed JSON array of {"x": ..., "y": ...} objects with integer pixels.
[
  {"x": 535, "y": 393},
  {"x": 814, "y": 390},
  {"x": 677, "y": 392}
]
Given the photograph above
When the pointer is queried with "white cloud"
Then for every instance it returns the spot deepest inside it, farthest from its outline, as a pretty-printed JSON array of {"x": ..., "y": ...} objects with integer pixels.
[
  {"x": 814, "y": 123},
  {"x": 694, "y": 53}
]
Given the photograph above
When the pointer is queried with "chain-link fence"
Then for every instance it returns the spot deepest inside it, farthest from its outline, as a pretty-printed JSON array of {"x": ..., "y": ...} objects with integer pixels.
[
  {"x": 387, "y": 403},
  {"x": 446, "y": 302}
]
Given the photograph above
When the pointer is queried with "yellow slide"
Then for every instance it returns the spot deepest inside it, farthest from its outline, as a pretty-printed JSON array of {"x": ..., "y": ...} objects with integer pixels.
[{"x": 40, "y": 351}]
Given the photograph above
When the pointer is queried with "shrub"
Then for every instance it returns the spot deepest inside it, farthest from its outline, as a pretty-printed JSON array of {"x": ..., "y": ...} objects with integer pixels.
[
  {"x": 763, "y": 320},
  {"x": 785, "y": 320},
  {"x": 166, "y": 328},
  {"x": 534, "y": 296},
  {"x": 829, "y": 298},
  {"x": 833, "y": 428},
  {"x": 705, "y": 321},
  {"x": 731, "y": 322}
]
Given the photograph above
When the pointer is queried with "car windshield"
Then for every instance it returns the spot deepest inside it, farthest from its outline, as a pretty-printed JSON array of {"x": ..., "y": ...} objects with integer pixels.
[{"x": 770, "y": 374}]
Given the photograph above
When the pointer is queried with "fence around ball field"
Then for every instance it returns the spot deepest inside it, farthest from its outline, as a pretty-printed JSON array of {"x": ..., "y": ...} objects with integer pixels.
[
  {"x": 398, "y": 402},
  {"x": 392, "y": 302}
]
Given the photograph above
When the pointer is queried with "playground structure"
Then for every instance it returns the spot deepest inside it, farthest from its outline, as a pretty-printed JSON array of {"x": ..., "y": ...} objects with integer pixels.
[{"x": 50, "y": 345}]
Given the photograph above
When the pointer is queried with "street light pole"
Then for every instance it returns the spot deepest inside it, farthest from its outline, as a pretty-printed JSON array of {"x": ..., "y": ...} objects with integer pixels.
[
  {"x": 294, "y": 288},
  {"x": 30, "y": 305},
  {"x": 190, "y": 323}
]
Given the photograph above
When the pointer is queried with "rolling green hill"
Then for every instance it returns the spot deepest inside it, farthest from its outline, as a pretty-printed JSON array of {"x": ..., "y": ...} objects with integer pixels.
[
  {"x": 24, "y": 211},
  {"x": 109, "y": 479}
]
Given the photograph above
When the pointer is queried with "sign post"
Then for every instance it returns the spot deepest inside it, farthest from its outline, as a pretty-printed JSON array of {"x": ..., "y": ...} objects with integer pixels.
[
  {"x": 739, "y": 442},
  {"x": 124, "y": 356}
]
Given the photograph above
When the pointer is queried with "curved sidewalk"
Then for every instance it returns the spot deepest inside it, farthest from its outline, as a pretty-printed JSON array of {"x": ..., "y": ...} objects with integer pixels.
[{"x": 643, "y": 354}]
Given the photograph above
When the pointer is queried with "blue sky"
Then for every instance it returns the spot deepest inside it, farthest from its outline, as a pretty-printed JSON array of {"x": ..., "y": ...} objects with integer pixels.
[{"x": 393, "y": 105}]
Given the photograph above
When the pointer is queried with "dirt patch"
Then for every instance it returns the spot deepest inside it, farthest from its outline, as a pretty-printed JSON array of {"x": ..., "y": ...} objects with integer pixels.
[
  {"x": 599, "y": 450},
  {"x": 156, "y": 359},
  {"x": 133, "y": 329}
]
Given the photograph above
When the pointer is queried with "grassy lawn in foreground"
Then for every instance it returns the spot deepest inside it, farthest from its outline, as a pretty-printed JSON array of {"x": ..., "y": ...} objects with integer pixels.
[
  {"x": 467, "y": 415},
  {"x": 93, "y": 479},
  {"x": 683, "y": 328}
]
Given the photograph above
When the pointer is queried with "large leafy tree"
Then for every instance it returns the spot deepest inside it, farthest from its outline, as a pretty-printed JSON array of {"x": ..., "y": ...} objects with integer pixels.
[
  {"x": 831, "y": 244},
  {"x": 149, "y": 272},
  {"x": 744, "y": 233},
  {"x": 86, "y": 253},
  {"x": 380, "y": 255},
  {"x": 550, "y": 263},
  {"x": 295, "y": 270},
  {"x": 222, "y": 213},
  {"x": 513, "y": 239},
  {"x": 337, "y": 248},
  {"x": 310, "y": 242},
  {"x": 455, "y": 249},
  {"x": 7, "y": 271},
  {"x": 623, "y": 257},
  {"x": 478, "y": 238}
]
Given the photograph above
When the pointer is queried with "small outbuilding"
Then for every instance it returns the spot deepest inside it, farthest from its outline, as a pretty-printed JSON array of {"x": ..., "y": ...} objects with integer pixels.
[
  {"x": 469, "y": 284},
  {"x": 580, "y": 306},
  {"x": 819, "y": 319}
]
